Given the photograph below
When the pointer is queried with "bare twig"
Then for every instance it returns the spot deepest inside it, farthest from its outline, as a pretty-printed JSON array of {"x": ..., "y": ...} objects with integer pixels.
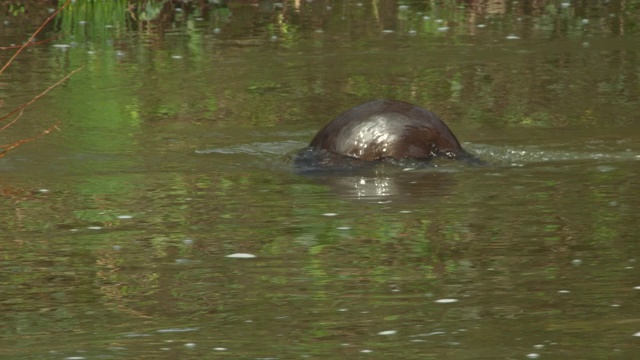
[
  {"x": 33, "y": 43},
  {"x": 9, "y": 147},
  {"x": 28, "y": 42},
  {"x": 34, "y": 99},
  {"x": 20, "y": 109}
]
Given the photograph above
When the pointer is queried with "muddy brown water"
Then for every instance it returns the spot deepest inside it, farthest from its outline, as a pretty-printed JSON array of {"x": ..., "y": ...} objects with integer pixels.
[{"x": 174, "y": 153}]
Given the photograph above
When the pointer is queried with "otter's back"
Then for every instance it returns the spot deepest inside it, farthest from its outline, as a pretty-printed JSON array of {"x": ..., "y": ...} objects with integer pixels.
[{"x": 387, "y": 129}]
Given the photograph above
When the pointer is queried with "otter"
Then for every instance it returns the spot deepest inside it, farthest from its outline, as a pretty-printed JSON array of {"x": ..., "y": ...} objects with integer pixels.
[{"x": 388, "y": 129}]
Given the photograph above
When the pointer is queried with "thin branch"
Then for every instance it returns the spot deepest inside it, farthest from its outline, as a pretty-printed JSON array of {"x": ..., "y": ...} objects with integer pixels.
[
  {"x": 35, "y": 98},
  {"x": 27, "y": 43},
  {"x": 31, "y": 43},
  {"x": 9, "y": 147},
  {"x": 13, "y": 121}
]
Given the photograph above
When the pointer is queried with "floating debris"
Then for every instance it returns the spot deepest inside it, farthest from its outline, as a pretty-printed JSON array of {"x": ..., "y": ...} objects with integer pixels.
[
  {"x": 241, "y": 256},
  {"x": 446, "y": 301},
  {"x": 177, "y": 330},
  {"x": 388, "y": 332}
]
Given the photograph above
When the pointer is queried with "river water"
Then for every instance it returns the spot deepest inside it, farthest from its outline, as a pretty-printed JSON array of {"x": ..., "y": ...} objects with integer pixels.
[{"x": 165, "y": 220}]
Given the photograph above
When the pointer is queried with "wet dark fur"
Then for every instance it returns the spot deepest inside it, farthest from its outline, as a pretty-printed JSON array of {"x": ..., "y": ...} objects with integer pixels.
[{"x": 384, "y": 129}]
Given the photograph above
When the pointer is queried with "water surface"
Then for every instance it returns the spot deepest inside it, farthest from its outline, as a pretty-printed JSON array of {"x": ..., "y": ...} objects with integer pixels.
[{"x": 174, "y": 153}]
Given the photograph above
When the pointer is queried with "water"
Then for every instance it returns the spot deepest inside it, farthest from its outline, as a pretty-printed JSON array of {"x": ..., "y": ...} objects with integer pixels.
[{"x": 165, "y": 219}]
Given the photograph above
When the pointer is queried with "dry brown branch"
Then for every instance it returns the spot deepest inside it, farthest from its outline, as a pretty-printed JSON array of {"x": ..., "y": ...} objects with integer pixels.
[
  {"x": 34, "y": 99},
  {"x": 33, "y": 43},
  {"x": 20, "y": 109},
  {"x": 9, "y": 147},
  {"x": 35, "y": 33}
]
